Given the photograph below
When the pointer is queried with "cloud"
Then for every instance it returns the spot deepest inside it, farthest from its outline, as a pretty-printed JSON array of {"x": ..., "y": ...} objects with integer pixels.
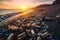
[
  {"x": 2, "y": 2},
  {"x": 43, "y": 1},
  {"x": 5, "y": 0},
  {"x": 16, "y": 3}
]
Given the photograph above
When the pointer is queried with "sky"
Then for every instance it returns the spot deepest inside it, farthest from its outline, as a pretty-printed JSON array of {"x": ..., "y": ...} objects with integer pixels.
[{"x": 14, "y": 4}]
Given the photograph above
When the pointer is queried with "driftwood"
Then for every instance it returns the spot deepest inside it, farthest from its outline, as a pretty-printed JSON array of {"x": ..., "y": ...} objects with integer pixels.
[
  {"x": 9, "y": 20},
  {"x": 13, "y": 18}
]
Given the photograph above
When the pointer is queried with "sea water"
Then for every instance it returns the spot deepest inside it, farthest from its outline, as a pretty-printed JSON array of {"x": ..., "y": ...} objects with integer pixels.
[{"x": 7, "y": 11}]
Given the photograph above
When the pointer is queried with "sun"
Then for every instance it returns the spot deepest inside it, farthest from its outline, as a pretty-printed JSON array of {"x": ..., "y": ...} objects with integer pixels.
[{"x": 24, "y": 7}]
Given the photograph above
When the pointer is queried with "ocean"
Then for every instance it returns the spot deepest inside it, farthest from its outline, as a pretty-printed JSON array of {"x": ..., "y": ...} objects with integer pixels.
[{"x": 7, "y": 11}]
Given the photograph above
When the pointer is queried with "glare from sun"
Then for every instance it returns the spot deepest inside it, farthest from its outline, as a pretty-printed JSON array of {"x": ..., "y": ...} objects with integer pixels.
[{"x": 24, "y": 7}]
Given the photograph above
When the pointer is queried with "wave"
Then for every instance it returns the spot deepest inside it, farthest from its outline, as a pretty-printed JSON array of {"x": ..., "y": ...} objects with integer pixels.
[{"x": 7, "y": 11}]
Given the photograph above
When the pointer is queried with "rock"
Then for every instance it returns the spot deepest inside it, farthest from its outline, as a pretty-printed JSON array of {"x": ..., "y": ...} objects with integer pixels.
[{"x": 56, "y": 2}]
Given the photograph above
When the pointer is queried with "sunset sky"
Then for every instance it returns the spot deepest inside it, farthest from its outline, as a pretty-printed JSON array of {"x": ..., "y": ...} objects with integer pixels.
[{"x": 15, "y": 4}]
